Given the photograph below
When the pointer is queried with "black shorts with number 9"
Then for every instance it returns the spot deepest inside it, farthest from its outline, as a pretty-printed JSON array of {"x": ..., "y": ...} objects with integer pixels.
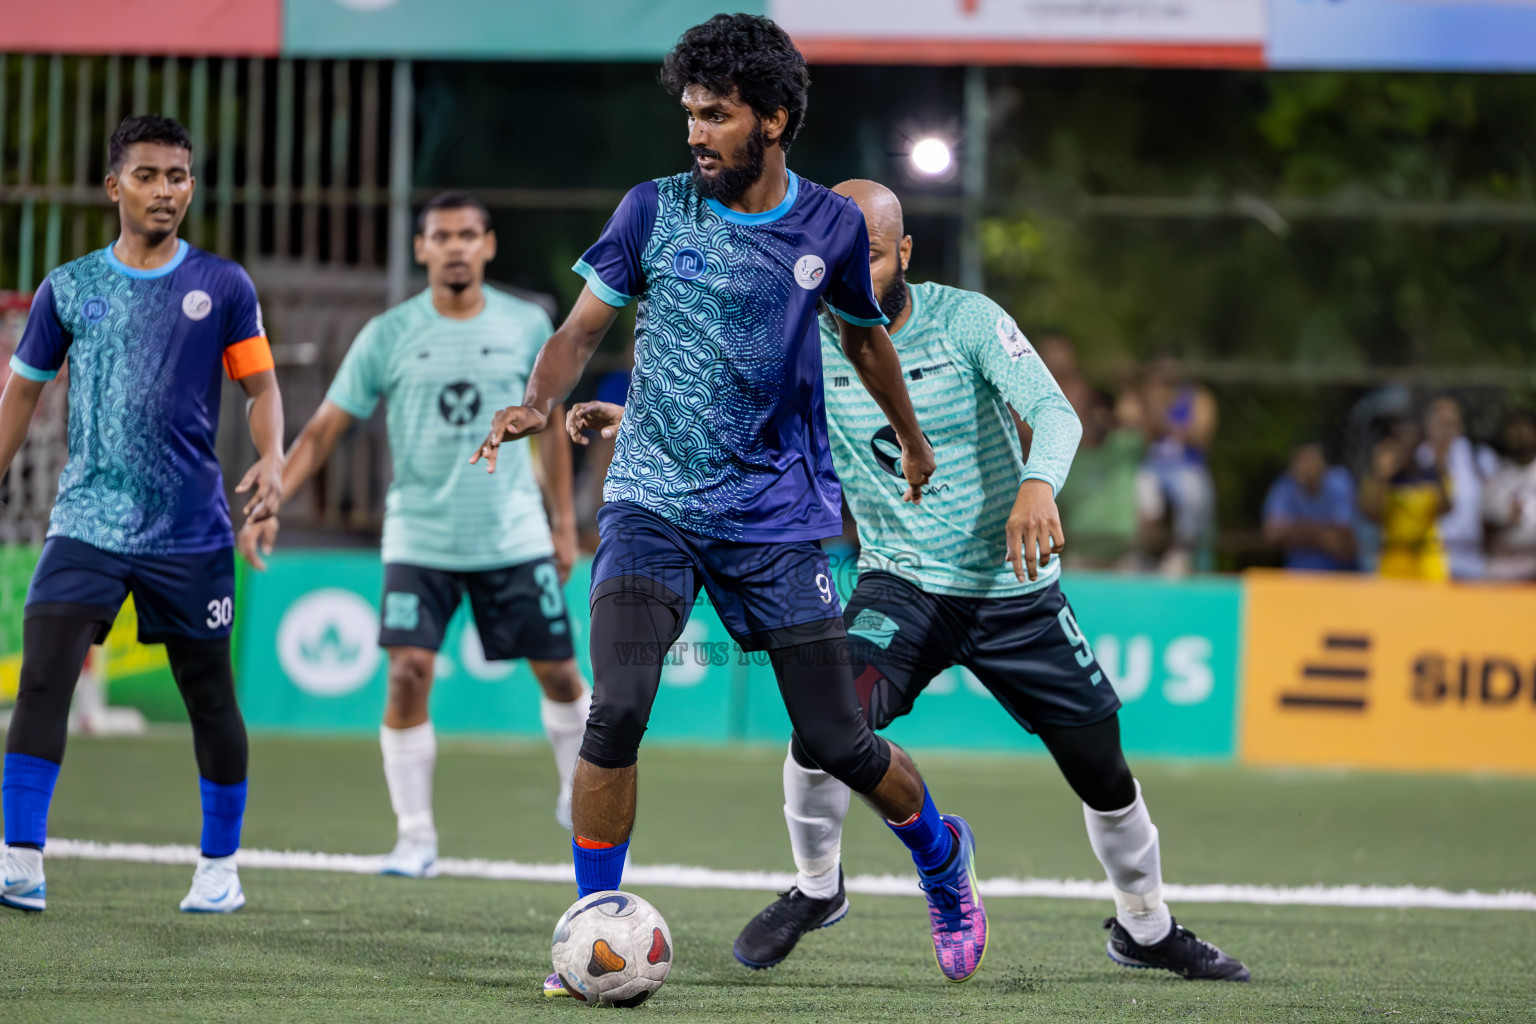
[
  {"x": 1027, "y": 651},
  {"x": 519, "y": 609}
]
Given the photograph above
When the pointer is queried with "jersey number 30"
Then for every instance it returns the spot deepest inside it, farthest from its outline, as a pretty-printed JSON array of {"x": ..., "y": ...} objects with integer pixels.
[{"x": 221, "y": 613}]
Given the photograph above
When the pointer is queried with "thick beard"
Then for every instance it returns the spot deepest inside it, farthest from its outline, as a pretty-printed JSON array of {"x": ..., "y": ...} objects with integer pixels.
[
  {"x": 894, "y": 299},
  {"x": 731, "y": 183},
  {"x": 459, "y": 287}
]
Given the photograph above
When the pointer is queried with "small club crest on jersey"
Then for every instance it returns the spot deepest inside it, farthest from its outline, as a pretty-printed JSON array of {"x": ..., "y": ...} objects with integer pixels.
[
  {"x": 1012, "y": 339},
  {"x": 197, "y": 304},
  {"x": 95, "y": 309},
  {"x": 809, "y": 270},
  {"x": 688, "y": 263}
]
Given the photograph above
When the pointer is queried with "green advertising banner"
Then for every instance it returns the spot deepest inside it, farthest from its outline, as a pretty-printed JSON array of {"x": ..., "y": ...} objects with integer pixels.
[
  {"x": 309, "y": 661},
  {"x": 519, "y": 30}
]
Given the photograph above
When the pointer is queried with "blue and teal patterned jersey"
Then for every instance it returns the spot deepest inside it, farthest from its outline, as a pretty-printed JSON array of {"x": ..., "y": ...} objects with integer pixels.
[
  {"x": 724, "y": 430},
  {"x": 965, "y": 361},
  {"x": 145, "y": 348}
]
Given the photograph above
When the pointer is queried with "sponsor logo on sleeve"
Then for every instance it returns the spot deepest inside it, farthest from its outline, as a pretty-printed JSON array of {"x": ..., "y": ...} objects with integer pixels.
[{"x": 1012, "y": 339}]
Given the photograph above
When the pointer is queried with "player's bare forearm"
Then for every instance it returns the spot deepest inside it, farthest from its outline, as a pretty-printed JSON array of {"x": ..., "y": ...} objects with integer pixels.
[
  {"x": 873, "y": 356},
  {"x": 265, "y": 413},
  {"x": 555, "y": 459},
  {"x": 315, "y": 444},
  {"x": 566, "y": 354},
  {"x": 17, "y": 405},
  {"x": 555, "y": 372}
]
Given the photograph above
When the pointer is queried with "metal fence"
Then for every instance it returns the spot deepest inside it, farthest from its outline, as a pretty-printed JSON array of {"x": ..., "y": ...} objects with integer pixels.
[{"x": 304, "y": 174}]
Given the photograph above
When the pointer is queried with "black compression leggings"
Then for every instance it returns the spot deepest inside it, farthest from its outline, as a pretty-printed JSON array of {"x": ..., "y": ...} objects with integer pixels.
[
  {"x": 815, "y": 680},
  {"x": 1091, "y": 759},
  {"x": 54, "y": 649}
]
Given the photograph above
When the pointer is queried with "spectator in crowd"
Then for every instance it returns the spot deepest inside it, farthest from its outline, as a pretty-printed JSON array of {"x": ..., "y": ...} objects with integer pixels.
[
  {"x": 1509, "y": 503},
  {"x": 1465, "y": 465},
  {"x": 1098, "y": 506},
  {"x": 1310, "y": 513},
  {"x": 1406, "y": 499},
  {"x": 1181, "y": 424}
]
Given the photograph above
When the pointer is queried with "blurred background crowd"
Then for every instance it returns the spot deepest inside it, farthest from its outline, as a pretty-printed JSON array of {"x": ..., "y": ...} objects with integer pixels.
[{"x": 1291, "y": 308}]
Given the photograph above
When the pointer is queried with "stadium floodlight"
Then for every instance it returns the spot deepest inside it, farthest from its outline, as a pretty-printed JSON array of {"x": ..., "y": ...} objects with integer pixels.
[{"x": 931, "y": 156}]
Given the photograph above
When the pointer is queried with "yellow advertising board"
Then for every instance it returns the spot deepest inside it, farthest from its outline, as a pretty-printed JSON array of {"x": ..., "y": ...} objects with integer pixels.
[{"x": 1360, "y": 671}]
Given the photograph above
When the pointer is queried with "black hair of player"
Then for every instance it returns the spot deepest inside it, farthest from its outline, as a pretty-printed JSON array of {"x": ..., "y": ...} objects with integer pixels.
[
  {"x": 746, "y": 54},
  {"x": 452, "y": 201},
  {"x": 166, "y": 131}
]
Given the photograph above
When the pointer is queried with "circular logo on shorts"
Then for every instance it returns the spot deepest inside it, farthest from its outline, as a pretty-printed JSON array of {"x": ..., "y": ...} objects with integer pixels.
[
  {"x": 809, "y": 270},
  {"x": 688, "y": 264},
  {"x": 95, "y": 309},
  {"x": 327, "y": 642},
  {"x": 197, "y": 304},
  {"x": 459, "y": 403}
]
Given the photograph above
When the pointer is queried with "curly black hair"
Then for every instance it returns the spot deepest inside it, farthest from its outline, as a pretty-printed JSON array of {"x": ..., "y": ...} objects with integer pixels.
[
  {"x": 746, "y": 54},
  {"x": 145, "y": 128}
]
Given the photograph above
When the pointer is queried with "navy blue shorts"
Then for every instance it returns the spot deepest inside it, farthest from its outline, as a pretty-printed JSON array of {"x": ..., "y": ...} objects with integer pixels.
[
  {"x": 177, "y": 597},
  {"x": 1026, "y": 650},
  {"x": 768, "y": 595},
  {"x": 519, "y": 609}
]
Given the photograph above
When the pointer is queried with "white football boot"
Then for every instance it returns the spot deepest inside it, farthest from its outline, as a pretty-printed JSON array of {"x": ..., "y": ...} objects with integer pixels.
[
  {"x": 21, "y": 879},
  {"x": 414, "y": 856},
  {"x": 215, "y": 887}
]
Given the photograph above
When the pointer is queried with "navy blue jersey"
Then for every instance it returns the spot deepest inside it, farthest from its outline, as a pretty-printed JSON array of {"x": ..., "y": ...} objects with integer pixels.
[
  {"x": 724, "y": 430},
  {"x": 145, "y": 348}
]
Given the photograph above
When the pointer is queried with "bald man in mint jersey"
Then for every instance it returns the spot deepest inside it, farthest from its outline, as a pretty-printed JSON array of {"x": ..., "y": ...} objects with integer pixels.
[
  {"x": 969, "y": 578},
  {"x": 722, "y": 476}
]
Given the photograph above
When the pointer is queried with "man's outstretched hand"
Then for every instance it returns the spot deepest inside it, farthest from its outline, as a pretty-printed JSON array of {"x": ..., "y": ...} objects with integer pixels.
[
  {"x": 512, "y": 423},
  {"x": 602, "y": 417},
  {"x": 1034, "y": 530}
]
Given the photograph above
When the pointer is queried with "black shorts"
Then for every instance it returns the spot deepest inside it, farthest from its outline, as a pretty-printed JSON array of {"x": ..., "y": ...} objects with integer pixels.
[
  {"x": 176, "y": 597},
  {"x": 519, "y": 610},
  {"x": 769, "y": 595},
  {"x": 1026, "y": 650}
]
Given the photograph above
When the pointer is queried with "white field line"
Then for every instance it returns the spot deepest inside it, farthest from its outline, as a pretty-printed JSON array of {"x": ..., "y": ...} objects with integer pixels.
[{"x": 678, "y": 876}]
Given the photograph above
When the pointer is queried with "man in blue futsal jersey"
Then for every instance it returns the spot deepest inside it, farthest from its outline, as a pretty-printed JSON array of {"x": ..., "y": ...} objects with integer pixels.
[
  {"x": 722, "y": 475},
  {"x": 145, "y": 324},
  {"x": 935, "y": 591}
]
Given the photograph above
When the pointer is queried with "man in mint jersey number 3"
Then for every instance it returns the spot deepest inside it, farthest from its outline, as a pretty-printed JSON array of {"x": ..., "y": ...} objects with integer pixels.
[
  {"x": 722, "y": 476},
  {"x": 443, "y": 361}
]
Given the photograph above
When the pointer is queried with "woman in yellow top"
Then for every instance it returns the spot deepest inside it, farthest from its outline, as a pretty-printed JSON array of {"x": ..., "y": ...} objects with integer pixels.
[{"x": 1406, "y": 499}]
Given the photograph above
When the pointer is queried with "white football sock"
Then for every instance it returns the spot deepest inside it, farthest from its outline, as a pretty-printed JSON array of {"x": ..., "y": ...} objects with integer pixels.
[
  {"x": 1125, "y": 841},
  {"x": 565, "y": 724},
  {"x": 815, "y": 805},
  {"x": 409, "y": 757}
]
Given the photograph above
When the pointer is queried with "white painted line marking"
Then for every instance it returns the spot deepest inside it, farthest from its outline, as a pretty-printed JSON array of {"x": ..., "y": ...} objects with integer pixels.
[{"x": 678, "y": 876}]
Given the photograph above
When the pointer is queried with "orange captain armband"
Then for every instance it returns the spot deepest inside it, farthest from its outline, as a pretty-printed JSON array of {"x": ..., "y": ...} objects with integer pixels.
[{"x": 248, "y": 357}]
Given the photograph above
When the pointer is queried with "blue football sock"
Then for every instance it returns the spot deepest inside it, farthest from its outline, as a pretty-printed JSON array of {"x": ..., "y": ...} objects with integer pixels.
[
  {"x": 598, "y": 869},
  {"x": 223, "y": 812},
  {"x": 27, "y": 792},
  {"x": 929, "y": 839}
]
